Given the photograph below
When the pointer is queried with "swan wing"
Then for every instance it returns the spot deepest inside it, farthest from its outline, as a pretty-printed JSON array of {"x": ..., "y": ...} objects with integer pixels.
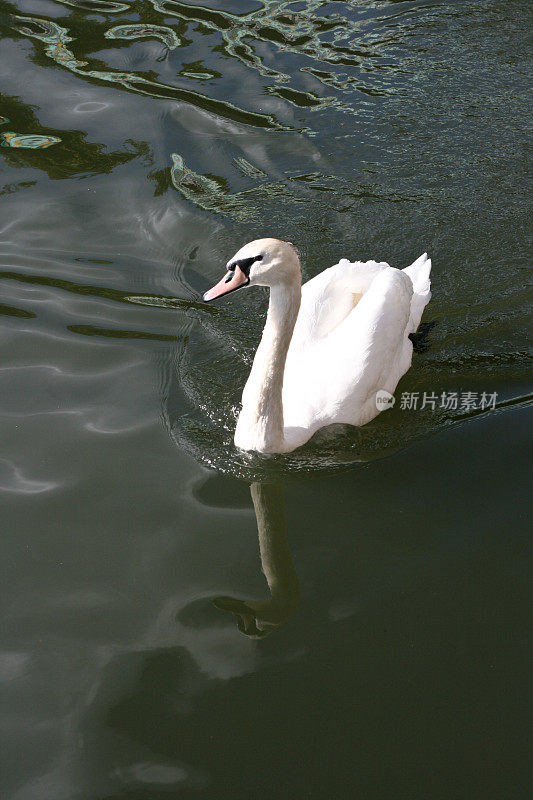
[
  {"x": 419, "y": 272},
  {"x": 328, "y": 298},
  {"x": 341, "y": 358}
]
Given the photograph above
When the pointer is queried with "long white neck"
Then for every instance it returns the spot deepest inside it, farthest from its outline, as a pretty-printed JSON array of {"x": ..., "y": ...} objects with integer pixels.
[{"x": 260, "y": 423}]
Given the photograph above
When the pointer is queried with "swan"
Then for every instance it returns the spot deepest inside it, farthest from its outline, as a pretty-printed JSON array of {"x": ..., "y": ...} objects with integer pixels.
[{"x": 328, "y": 347}]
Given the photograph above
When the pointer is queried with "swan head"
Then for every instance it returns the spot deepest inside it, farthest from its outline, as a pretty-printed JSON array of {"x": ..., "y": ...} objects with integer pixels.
[{"x": 264, "y": 262}]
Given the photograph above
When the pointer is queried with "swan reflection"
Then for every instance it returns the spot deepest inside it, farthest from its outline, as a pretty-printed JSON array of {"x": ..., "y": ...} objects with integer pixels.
[{"x": 258, "y": 618}]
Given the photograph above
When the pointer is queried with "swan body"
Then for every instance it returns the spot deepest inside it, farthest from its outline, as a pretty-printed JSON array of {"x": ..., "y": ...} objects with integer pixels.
[{"x": 327, "y": 347}]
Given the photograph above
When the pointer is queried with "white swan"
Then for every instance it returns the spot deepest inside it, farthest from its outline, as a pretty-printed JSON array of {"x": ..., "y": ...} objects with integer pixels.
[{"x": 327, "y": 347}]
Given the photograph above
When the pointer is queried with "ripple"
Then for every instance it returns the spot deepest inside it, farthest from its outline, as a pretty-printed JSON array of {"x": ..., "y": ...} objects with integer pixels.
[
  {"x": 13, "y": 480},
  {"x": 74, "y": 156},
  {"x": 107, "y": 293},
  {"x": 113, "y": 333},
  {"x": 212, "y": 193},
  {"x": 11, "y": 311},
  {"x": 141, "y": 31},
  {"x": 209, "y": 439},
  {"x": 32, "y": 141},
  {"x": 328, "y": 43},
  {"x": 220, "y": 20},
  {"x": 56, "y": 38},
  {"x": 346, "y": 37},
  {"x": 173, "y": 302},
  {"x": 98, "y": 6},
  {"x": 90, "y": 107}
]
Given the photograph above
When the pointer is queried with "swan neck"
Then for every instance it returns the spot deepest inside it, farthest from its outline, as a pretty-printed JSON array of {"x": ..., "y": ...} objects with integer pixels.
[{"x": 260, "y": 425}]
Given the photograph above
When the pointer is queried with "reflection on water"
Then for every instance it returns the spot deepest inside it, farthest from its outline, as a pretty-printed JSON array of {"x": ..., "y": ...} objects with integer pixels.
[
  {"x": 31, "y": 141},
  {"x": 312, "y": 36},
  {"x": 312, "y": 32},
  {"x": 73, "y": 157},
  {"x": 166, "y": 35},
  {"x": 102, "y": 6},
  {"x": 258, "y": 618},
  {"x": 212, "y": 193},
  {"x": 57, "y": 37}
]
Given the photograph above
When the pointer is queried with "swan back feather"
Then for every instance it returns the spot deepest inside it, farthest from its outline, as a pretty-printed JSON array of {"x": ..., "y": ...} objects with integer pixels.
[{"x": 351, "y": 339}]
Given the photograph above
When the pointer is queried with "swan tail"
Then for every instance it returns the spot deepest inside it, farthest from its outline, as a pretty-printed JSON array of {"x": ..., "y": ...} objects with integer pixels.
[{"x": 419, "y": 272}]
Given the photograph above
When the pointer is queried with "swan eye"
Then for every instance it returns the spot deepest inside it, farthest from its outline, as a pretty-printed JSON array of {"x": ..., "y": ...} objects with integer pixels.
[{"x": 245, "y": 264}]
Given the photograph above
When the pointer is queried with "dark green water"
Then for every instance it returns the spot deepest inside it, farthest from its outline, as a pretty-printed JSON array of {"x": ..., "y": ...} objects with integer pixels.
[{"x": 134, "y": 661}]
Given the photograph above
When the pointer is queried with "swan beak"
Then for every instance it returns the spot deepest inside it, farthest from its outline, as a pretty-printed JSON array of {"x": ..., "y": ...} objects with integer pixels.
[{"x": 232, "y": 280}]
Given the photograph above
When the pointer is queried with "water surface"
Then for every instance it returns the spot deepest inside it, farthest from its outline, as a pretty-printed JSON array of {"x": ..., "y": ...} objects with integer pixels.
[{"x": 143, "y": 654}]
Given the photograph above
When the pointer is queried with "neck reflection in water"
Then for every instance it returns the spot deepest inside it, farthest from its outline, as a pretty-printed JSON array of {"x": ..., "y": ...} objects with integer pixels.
[{"x": 258, "y": 618}]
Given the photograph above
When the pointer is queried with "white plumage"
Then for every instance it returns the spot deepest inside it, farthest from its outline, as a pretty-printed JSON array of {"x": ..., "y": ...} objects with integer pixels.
[{"x": 328, "y": 346}]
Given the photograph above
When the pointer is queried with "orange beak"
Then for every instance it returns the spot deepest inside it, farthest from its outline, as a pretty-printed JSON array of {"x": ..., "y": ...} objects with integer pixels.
[{"x": 233, "y": 280}]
